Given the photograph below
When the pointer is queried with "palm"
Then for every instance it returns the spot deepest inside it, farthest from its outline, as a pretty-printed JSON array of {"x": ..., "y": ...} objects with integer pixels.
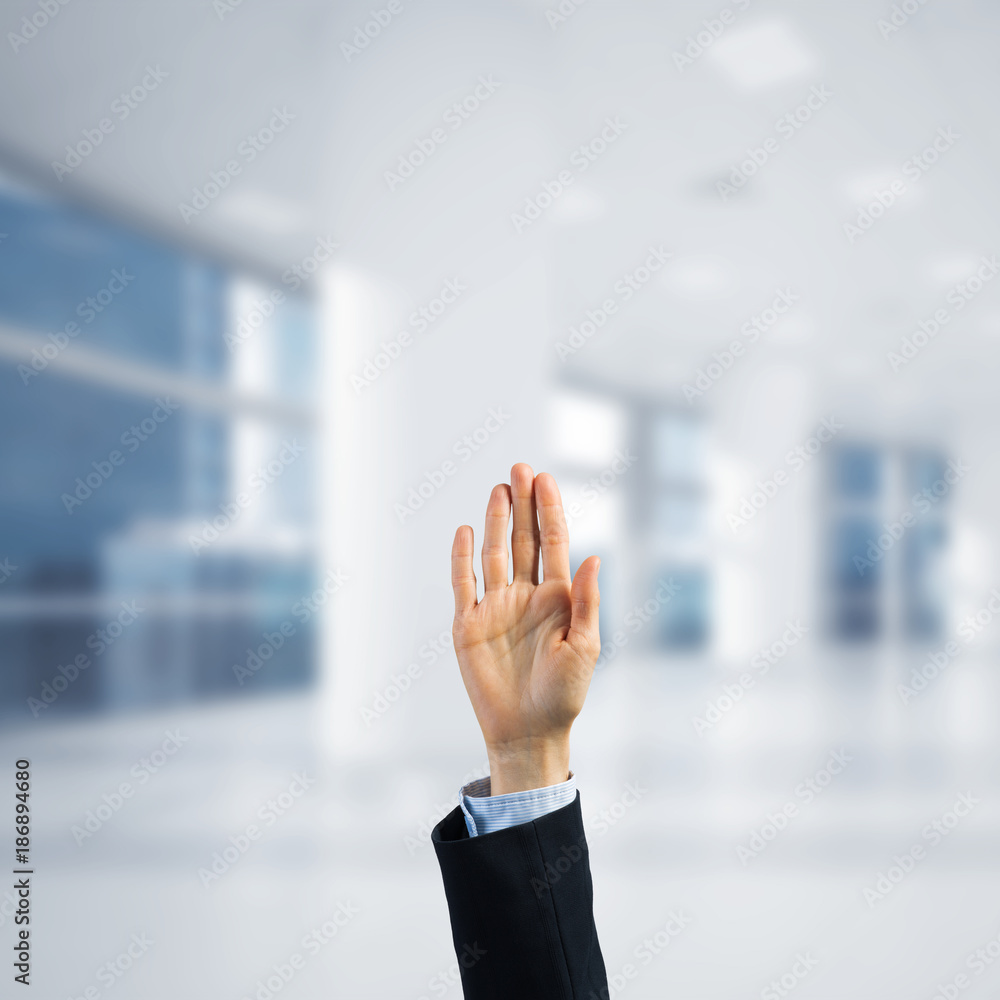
[{"x": 525, "y": 659}]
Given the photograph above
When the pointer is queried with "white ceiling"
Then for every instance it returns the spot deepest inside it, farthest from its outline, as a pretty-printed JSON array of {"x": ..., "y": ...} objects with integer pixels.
[{"x": 324, "y": 176}]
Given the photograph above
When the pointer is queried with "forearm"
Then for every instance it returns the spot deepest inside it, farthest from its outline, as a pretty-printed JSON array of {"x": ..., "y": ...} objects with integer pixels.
[{"x": 521, "y": 907}]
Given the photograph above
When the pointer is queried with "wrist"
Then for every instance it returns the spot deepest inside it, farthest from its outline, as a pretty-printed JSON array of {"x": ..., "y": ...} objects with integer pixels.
[{"x": 531, "y": 762}]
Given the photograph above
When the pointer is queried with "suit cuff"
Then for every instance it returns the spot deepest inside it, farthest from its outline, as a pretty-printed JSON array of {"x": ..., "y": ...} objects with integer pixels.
[{"x": 485, "y": 813}]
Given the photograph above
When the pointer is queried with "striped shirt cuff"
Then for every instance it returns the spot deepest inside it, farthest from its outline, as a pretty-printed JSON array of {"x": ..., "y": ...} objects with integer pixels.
[{"x": 485, "y": 813}]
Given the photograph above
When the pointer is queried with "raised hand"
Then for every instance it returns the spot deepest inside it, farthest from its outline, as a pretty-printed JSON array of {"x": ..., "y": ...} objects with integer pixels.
[{"x": 526, "y": 650}]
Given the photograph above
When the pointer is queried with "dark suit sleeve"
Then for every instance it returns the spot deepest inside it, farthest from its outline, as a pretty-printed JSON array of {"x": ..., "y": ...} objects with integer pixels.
[{"x": 522, "y": 908}]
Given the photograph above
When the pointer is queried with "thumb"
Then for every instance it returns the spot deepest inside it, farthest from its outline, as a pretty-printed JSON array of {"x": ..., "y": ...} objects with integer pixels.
[{"x": 584, "y": 634}]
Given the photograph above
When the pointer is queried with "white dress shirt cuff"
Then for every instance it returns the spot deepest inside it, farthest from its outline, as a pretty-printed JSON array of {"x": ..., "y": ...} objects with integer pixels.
[{"x": 485, "y": 813}]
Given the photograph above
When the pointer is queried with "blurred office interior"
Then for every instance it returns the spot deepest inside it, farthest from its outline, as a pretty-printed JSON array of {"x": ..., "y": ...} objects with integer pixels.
[{"x": 360, "y": 352}]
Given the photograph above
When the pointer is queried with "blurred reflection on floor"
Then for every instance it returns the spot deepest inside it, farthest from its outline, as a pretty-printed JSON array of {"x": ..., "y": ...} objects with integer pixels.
[{"x": 339, "y": 871}]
